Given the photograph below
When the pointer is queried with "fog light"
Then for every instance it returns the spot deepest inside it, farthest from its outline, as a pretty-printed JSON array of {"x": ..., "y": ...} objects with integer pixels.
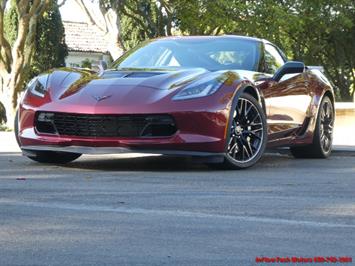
[
  {"x": 45, "y": 117},
  {"x": 45, "y": 123}
]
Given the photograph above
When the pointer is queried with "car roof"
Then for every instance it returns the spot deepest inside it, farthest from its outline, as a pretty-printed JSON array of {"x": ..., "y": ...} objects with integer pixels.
[
  {"x": 203, "y": 37},
  {"x": 211, "y": 37}
]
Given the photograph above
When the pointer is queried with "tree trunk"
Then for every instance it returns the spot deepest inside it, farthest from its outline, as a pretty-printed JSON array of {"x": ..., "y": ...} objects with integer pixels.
[
  {"x": 12, "y": 84},
  {"x": 18, "y": 57},
  {"x": 6, "y": 100},
  {"x": 345, "y": 94}
]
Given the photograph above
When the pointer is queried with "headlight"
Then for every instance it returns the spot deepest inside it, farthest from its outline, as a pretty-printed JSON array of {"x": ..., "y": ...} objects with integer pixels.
[
  {"x": 200, "y": 89},
  {"x": 38, "y": 85}
]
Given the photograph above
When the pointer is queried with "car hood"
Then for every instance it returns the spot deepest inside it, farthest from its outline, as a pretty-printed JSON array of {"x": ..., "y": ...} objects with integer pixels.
[
  {"x": 125, "y": 89},
  {"x": 82, "y": 84}
]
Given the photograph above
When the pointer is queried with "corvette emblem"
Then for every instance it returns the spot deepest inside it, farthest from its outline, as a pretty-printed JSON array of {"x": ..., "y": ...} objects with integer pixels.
[{"x": 100, "y": 98}]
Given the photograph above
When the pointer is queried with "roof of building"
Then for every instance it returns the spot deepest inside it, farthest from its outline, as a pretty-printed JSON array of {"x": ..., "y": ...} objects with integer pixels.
[{"x": 83, "y": 37}]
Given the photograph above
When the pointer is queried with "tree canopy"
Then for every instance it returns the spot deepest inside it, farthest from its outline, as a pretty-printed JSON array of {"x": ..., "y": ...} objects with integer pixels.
[
  {"x": 50, "y": 48},
  {"x": 16, "y": 54},
  {"x": 318, "y": 32}
]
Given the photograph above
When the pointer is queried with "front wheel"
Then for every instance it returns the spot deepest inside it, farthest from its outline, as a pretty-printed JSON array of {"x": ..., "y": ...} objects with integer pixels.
[
  {"x": 247, "y": 134},
  {"x": 321, "y": 146}
]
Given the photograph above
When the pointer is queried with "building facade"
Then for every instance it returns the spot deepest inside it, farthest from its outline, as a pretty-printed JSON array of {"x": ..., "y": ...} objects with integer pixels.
[{"x": 86, "y": 45}]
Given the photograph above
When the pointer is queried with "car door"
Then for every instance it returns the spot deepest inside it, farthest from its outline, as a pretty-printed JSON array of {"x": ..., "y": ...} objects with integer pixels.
[{"x": 287, "y": 100}]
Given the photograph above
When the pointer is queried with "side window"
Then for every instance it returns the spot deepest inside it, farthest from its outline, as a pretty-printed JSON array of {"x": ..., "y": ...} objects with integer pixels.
[{"x": 273, "y": 59}]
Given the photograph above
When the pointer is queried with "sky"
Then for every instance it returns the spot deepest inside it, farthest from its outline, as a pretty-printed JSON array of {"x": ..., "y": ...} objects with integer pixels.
[
  {"x": 69, "y": 12},
  {"x": 72, "y": 12}
]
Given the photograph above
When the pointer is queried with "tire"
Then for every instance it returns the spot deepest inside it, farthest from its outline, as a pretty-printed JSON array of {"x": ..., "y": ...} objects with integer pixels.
[
  {"x": 46, "y": 156},
  {"x": 247, "y": 134},
  {"x": 16, "y": 129},
  {"x": 321, "y": 146}
]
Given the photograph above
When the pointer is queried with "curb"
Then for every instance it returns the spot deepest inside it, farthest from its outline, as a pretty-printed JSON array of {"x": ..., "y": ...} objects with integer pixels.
[
  {"x": 338, "y": 150},
  {"x": 342, "y": 150}
]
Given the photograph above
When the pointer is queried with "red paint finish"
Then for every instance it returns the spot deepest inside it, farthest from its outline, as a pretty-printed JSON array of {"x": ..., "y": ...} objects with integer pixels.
[
  {"x": 201, "y": 122},
  {"x": 290, "y": 106}
]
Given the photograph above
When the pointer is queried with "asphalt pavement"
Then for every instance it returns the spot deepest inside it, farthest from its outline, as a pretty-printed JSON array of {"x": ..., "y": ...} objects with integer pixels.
[{"x": 154, "y": 210}]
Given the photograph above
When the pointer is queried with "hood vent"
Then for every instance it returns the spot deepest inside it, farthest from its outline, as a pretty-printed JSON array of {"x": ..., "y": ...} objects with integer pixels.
[
  {"x": 125, "y": 74},
  {"x": 142, "y": 74}
]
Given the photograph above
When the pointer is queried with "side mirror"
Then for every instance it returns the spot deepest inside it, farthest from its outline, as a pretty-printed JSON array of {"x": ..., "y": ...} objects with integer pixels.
[{"x": 290, "y": 67}]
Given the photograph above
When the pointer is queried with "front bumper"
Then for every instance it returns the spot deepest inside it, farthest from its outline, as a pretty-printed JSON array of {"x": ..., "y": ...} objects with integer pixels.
[
  {"x": 199, "y": 134},
  {"x": 30, "y": 150}
]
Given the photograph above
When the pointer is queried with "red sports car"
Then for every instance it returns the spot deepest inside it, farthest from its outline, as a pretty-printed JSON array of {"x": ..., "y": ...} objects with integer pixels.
[{"x": 224, "y": 98}]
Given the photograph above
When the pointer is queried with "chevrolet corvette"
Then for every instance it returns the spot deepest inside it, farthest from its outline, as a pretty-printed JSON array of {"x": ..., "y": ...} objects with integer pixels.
[{"x": 222, "y": 98}]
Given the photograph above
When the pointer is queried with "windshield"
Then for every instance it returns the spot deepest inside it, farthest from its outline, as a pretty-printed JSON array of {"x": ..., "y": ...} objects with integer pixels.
[{"x": 212, "y": 54}]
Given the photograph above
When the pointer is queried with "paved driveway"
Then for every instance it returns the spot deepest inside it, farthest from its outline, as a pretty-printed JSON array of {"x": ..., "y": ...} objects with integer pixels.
[{"x": 172, "y": 211}]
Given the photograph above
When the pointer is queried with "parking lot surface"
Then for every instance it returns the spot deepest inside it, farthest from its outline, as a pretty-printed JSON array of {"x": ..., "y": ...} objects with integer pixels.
[{"x": 127, "y": 210}]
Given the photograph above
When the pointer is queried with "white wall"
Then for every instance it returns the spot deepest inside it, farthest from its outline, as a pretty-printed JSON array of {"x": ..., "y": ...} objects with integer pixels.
[{"x": 75, "y": 59}]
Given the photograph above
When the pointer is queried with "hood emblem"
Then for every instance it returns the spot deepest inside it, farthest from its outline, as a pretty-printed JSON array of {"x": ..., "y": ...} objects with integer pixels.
[{"x": 100, "y": 98}]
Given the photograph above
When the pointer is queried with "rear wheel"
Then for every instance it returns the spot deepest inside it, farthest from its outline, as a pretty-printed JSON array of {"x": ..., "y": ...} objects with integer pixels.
[
  {"x": 247, "y": 134},
  {"x": 321, "y": 146},
  {"x": 46, "y": 156}
]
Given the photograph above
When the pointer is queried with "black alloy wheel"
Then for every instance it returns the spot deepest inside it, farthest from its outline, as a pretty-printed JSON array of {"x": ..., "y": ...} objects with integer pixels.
[{"x": 247, "y": 134}]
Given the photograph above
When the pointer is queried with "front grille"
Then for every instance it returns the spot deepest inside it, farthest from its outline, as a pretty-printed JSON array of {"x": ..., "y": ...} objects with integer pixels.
[{"x": 85, "y": 125}]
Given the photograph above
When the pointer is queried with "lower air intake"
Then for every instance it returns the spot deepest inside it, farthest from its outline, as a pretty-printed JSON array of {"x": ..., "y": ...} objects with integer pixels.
[{"x": 67, "y": 124}]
